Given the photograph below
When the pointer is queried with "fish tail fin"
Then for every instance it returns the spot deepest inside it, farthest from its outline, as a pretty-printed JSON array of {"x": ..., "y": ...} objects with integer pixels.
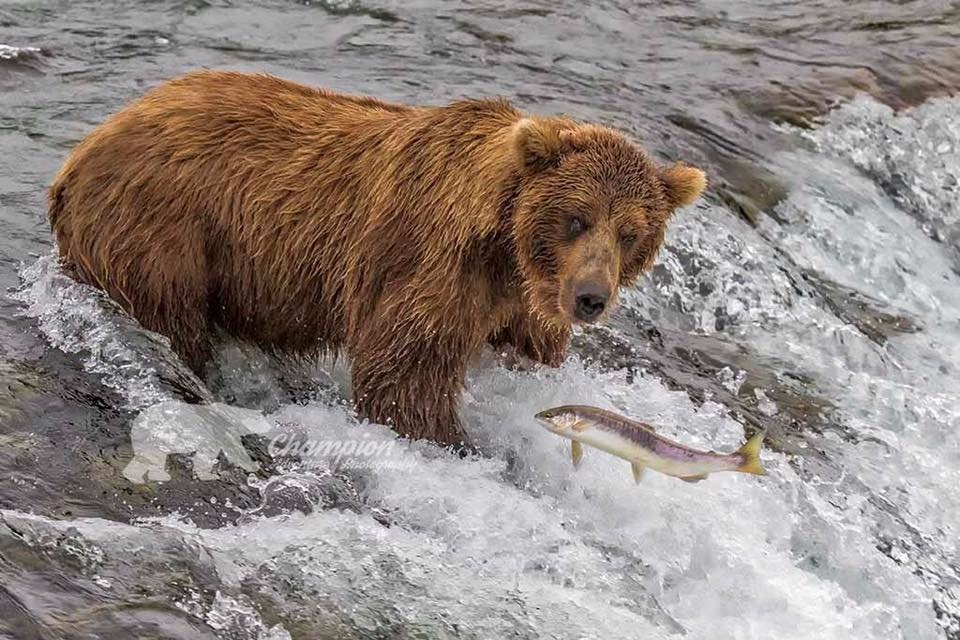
[{"x": 751, "y": 455}]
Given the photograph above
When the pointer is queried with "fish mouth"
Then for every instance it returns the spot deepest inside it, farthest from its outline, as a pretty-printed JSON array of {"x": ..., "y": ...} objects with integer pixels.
[
  {"x": 547, "y": 422},
  {"x": 545, "y": 418}
]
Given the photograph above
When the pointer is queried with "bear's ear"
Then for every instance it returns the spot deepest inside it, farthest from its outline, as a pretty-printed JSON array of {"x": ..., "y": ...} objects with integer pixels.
[
  {"x": 541, "y": 142},
  {"x": 683, "y": 184},
  {"x": 537, "y": 143}
]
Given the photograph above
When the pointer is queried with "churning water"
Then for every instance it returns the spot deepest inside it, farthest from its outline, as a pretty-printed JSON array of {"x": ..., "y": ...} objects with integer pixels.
[{"x": 829, "y": 316}]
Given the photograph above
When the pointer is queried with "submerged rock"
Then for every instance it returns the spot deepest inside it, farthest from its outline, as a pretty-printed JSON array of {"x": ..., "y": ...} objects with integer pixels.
[
  {"x": 805, "y": 102},
  {"x": 111, "y": 581},
  {"x": 67, "y": 444},
  {"x": 865, "y": 313}
]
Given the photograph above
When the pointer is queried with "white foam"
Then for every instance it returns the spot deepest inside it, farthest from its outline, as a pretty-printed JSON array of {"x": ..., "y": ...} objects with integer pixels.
[
  {"x": 8, "y": 52},
  {"x": 518, "y": 540},
  {"x": 917, "y": 152}
]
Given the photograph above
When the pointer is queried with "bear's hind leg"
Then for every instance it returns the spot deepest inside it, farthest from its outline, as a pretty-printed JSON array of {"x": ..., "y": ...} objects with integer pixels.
[
  {"x": 170, "y": 297},
  {"x": 183, "y": 317}
]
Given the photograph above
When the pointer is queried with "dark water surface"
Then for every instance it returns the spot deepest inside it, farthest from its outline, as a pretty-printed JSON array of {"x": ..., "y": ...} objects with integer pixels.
[{"x": 813, "y": 294}]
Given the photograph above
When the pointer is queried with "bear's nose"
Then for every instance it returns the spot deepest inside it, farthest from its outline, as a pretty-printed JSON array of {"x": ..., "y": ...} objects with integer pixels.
[{"x": 591, "y": 300}]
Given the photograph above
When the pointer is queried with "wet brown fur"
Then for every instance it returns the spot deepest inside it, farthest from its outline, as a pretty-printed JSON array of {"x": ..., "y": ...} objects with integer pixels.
[{"x": 307, "y": 221}]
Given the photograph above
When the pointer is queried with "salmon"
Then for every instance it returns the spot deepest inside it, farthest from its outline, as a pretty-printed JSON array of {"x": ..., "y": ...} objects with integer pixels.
[{"x": 639, "y": 444}]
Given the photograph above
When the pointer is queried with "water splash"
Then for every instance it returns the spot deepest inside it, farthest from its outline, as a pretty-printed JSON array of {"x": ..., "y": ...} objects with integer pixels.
[
  {"x": 913, "y": 155},
  {"x": 79, "y": 319}
]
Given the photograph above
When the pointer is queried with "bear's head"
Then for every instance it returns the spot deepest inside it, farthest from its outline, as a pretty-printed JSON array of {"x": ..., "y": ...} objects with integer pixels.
[{"x": 590, "y": 215}]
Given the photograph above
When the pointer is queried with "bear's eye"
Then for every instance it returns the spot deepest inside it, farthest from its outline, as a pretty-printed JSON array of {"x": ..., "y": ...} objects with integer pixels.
[
  {"x": 577, "y": 226},
  {"x": 627, "y": 238}
]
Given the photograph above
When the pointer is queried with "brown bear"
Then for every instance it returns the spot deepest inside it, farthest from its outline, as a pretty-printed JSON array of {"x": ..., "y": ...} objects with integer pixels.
[{"x": 306, "y": 221}]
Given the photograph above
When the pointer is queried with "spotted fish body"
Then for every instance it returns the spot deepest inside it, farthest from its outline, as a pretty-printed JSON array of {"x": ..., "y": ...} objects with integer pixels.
[{"x": 638, "y": 443}]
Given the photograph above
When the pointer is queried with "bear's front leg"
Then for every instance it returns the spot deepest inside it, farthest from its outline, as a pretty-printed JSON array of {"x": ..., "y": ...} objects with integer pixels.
[
  {"x": 533, "y": 339},
  {"x": 414, "y": 387}
]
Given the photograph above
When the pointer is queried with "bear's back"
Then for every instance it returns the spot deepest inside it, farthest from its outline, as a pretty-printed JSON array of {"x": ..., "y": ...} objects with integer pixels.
[{"x": 278, "y": 211}]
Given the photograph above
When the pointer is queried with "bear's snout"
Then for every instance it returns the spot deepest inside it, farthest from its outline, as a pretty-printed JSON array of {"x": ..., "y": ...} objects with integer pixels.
[
  {"x": 590, "y": 276},
  {"x": 590, "y": 300}
]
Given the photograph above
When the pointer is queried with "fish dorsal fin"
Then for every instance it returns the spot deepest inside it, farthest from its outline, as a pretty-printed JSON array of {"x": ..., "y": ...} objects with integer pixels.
[
  {"x": 629, "y": 422},
  {"x": 638, "y": 470},
  {"x": 702, "y": 476},
  {"x": 576, "y": 452}
]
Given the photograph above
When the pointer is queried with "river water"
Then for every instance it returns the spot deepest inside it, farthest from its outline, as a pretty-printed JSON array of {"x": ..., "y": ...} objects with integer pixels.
[{"x": 813, "y": 293}]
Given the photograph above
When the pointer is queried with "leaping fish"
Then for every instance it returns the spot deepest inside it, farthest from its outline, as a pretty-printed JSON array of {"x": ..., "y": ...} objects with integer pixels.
[{"x": 639, "y": 444}]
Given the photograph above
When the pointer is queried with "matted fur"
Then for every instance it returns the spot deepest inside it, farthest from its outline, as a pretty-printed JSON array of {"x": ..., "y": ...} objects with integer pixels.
[{"x": 306, "y": 221}]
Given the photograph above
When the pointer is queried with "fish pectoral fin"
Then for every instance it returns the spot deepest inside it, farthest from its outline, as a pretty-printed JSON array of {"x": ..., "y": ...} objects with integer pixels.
[
  {"x": 694, "y": 478},
  {"x": 576, "y": 452},
  {"x": 638, "y": 470},
  {"x": 580, "y": 425}
]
